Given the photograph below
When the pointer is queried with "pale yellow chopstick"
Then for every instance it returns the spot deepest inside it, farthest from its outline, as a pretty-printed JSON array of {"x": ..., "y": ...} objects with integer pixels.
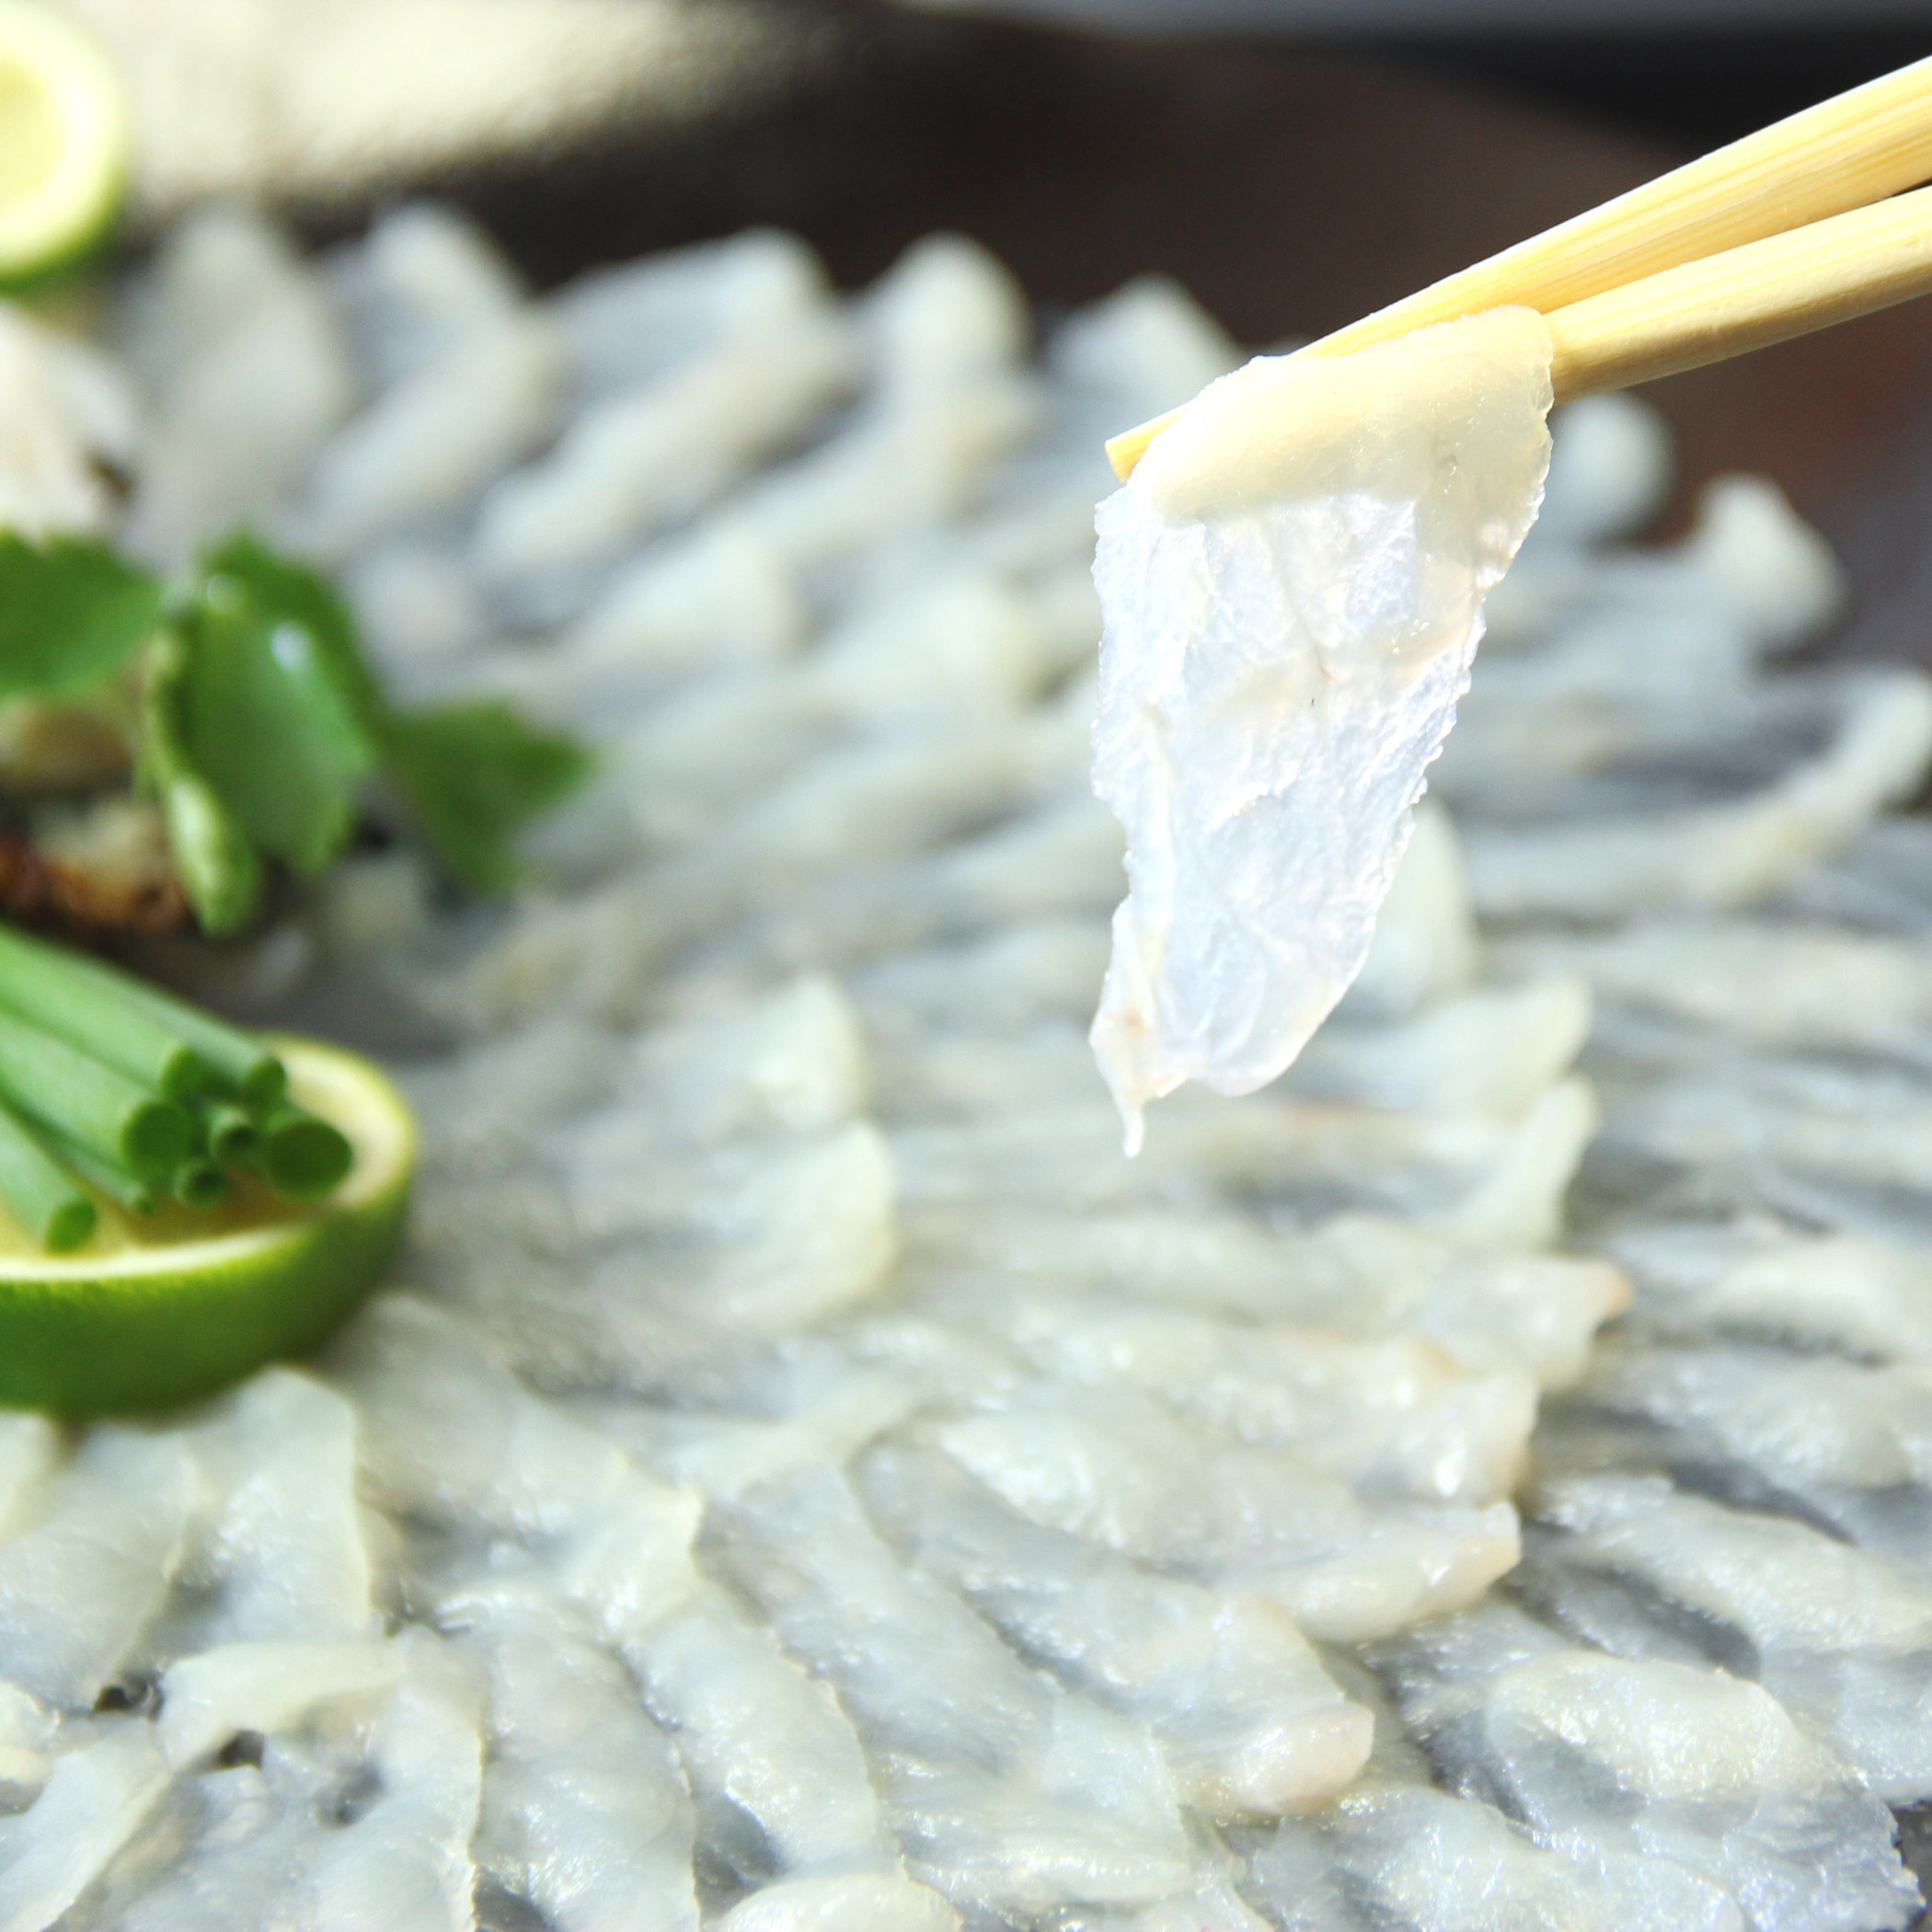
[
  {"x": 1745, "y": 298},
  {"x": 1839, "y": 156}
]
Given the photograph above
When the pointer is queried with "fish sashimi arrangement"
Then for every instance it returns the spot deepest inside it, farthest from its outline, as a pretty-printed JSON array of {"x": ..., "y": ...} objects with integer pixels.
[{"x": 801, "y": 1473}]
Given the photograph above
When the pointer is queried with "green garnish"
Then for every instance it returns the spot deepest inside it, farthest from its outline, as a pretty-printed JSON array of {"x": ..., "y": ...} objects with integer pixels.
[
  {"x": 52, "y": 989},
  {"x": 300, "y": 1154},
  {"x": 110, "y": 1082},
  {"x": 87, "y": 1102},
  {"x": 141, "y": 1030},
  {"x": 72, "y": 613},
  {"x": 127, "y": 1191},
  {"x": 258, "y": 720},
  {"x": 232, "y": 1134},
  {"x": 198, "y": 1184},
  {"x": 40, "y": 1195}
]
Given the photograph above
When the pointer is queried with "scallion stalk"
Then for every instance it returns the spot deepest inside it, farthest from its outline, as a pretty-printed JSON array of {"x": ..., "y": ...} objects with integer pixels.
[
  {"x": 302, "y": 1155},
  {"x": 230, "y": 1133},
  {"x": 198, "y": 1184},
  {"x": 228, "y": 1056},
  {"x": 85, "y": 1004},
  {"x": 124, "y": 1190},
  {"x": 61, "y": 1087},
  {"x": 40, "y": 1195}
]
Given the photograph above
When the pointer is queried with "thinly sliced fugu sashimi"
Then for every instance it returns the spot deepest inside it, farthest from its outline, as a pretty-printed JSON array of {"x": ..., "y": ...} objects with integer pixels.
[
  {"x": 1007, "y": 1792},
  {"x": 1656, "y": 1759},
  {"x": 93, "y": 1802},
  {"x": 584, "y": 1813},
  {"x": 403, "y": 1864},
  {"x": 1839, "y": 1292},
  {"x": 760, "y": 1740},
  {"x": 1113, "y": 1468},
  {"x": 1249, "y": 1720},
  {"x": 281, "y": 1539},
  {"x": 861, "y": 1903},
  {"x": 1427, "y": 1862},
  {"x": 1293, "y": 581},
  {"x": 1840, "y": 1636},
  {"x": 263, "y": 1687},
  {"x": 1395, "y": 1416},
  {"x": 79, "y": 1586}
]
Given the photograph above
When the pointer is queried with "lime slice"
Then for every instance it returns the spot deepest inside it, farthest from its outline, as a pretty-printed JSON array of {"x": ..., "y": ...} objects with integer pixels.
[
  {"x": 156, "y": 1311},
  {"x": 64, "y": 142}
]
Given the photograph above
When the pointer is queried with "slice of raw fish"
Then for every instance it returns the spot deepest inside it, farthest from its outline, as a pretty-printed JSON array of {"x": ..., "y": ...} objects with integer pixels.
[
  {"x": 28, "y": 1734},
  {"x": 1507, "y": 1313},
  {"x": 1654, "y": 1760},
  {"x": 82, "y": 1583},
  {"x": 280, "y": 1535},
  {"x": 1405, "y": 1855},
  {"x": 403, "y": 1863},
  {"x": 256, "y": 376},
  {"x": 1009, "y": 1794},
  {"x": 1494, "y": 1051},
  {"x": 451, "y": 1437},
  {"x": 630, "y": 321},
  {"x": 723, "y": 1455},
  {"x": 1718, "y": 856},
  {"x": 1248, "y": 1720},
  {"x": 1042, "y": 968},
  {"x": 857, "y": 1903},
  {"x": 1292, "y": 580},
  {"x": 93, "y": 1800},
  {"x": 662, "y": 449},
  {"x": 1841, "y": 1637},
  {"x": 760, "y": 1740},
  {"x": 1117, "y": 1470},
  {"x": 584, "y": 1811},
  {"x": 224, "y": 1849},
  {"x": 1396, "y": 1416},
  {"x": 29, "y": 1455},
  {"x": 1861, "y": 1298},
  {"x": 429, "y": 444},
  {"x": 1771, "y": 982},
  {"x": 210, "y": 1697}
]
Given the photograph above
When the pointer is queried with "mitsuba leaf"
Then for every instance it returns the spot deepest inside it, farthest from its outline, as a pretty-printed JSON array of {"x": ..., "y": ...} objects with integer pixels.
[
  {"x": 274, "y": 702},
  {"x": 72, "y": 613},
  {"x": 473, "y": 774},
  {"x": 214, "y": 858}
]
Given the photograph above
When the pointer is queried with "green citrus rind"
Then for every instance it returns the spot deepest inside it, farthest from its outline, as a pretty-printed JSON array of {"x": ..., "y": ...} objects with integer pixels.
[
  {"x": 65, "y": 134},
  {"x": 148, "y": 1319}
]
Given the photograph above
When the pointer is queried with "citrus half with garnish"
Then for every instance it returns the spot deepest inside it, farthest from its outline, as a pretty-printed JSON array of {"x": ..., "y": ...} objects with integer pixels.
[
  {"x": 160, "y": 1309},
  {"x": 64, "y": 129}
]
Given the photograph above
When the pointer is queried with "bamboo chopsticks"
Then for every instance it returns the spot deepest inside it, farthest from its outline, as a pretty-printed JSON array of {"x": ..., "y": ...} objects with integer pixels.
[{"x": 1783, "y": 232}]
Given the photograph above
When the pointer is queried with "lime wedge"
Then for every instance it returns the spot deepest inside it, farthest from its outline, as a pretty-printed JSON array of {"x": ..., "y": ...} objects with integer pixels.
[
  {"x": 64, "y": 142},
  {"x": 160, "y": 1310}
]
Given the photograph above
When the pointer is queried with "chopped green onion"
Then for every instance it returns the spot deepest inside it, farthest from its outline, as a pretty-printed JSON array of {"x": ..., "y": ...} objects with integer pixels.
[
  {"x": 237, "y": 1059},
  {"x": 124, "y": 1190},
  {"x": 230, "y": 1133},
  {"x": 199, "y": 1184},
  {"x": 85, "y": 1004},
  {"x": 38, "y": 1193},
  {"x": 302, "y": 1155},
  {"x": 91, "y": 1104}
]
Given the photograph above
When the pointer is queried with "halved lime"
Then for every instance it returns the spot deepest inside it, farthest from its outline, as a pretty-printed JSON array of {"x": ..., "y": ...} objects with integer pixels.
[
  {"x": 162, "y": 1309},
  {"x": 64, "y": 142}
]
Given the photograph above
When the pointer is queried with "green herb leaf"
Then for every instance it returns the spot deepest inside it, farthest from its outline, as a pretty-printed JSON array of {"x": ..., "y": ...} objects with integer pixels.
[
  {"x": 274, "y": 702},
  {"x": 71, "y": 614},
  {"x": 218, "y": 865},
  {"x": 474, "y": 773}
]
